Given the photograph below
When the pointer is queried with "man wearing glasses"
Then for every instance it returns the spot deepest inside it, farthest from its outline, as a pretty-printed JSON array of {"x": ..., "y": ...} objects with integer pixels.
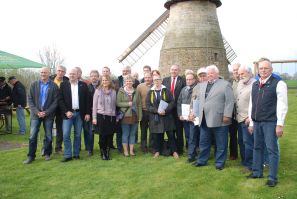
[{"x": 58, "y": 78}]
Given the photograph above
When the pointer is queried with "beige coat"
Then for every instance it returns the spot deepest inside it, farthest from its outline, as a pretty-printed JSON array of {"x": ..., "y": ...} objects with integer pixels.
[{"x": 242, "y": 96}]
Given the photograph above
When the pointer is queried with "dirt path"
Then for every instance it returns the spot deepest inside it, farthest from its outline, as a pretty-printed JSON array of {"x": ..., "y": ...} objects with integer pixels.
[{"x": 4, "y": 145}]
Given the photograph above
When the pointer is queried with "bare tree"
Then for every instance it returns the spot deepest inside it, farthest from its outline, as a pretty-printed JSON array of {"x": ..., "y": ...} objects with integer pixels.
[{"x": 51, "y": 57}]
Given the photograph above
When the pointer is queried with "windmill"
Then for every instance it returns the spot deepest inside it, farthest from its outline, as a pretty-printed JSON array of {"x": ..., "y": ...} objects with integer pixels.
[{"x": 192, "y": 38}]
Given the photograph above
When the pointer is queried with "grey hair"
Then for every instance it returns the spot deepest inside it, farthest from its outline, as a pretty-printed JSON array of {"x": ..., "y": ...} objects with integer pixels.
[
  {"x": 265, "y": 59},
  {"x": 95, "y": 71},
  {"x": 212, "y": 67},
  {"x": 246, "y": 69},
  {"x": 128, "y": 77},
  {"x": 63, "y": 67},
  {"x": 127, "y": 67},
  {"x": 188, "y": 71}
]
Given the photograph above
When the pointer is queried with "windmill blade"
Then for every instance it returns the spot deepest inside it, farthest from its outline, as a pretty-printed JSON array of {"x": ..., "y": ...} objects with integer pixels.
[
  {"x": 151, "y": 36},
  {"x": 146, "y": 41},
  {"x": 230, "y": 54}
]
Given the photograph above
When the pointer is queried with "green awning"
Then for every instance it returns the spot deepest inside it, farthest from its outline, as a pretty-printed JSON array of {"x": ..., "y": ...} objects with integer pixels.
[{"x": 10, "y": 61}]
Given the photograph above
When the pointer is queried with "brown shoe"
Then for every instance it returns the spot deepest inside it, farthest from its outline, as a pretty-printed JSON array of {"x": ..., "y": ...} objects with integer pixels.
[
  {"x": 156, "y": 155},
  {"x": 175, "y": 155}
]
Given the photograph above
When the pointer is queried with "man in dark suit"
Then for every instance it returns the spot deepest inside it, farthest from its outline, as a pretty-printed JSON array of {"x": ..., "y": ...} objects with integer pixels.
[
  {"x": 58, "y": 78},
  {"x": 43, "y": 101},
  {"x": 216, "y": 102},
  {"x": 75, "y": 107},
  {"x": 87, "y": 126},
  {"x": 175, "y": 84}
]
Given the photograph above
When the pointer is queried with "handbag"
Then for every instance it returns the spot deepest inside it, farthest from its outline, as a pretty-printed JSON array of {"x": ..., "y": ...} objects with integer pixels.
[{"x": 120, "y": 115}]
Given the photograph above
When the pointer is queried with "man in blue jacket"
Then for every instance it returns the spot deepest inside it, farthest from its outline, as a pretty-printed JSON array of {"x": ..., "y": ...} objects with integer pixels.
[{"x": 43, "y": 101}]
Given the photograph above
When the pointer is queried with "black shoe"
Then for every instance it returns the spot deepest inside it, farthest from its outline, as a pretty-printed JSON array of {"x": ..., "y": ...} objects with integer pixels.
[
  {"x": 112, "y": 147},
  {"x": 251, "y": 176},
  {"x": 102, "y": 155},
  {"x": 90, "y": 153},
  {"x": 76, "y": 157},
  {"x": 108, "y": 157},
  {"x": 29, "y": 160},
  {"x": 271, "y": 183},
  {"x": 47, "y": 158},
  {"x": 199, "y": 165},
  {"x": 105, "y": 155},
  {"x": 66, "y": 160},
  {"x": 220, "y": 168}
]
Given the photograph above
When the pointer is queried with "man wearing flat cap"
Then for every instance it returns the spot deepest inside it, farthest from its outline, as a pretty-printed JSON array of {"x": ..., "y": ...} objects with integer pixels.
[
  {"x": 5, "y": 102},
  {"x": 19, "y": 100}
]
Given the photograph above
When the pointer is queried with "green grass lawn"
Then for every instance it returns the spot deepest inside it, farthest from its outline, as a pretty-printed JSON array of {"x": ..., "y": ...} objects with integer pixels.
[
  {"x": 142, "y": 176},
  {"x": 291, "y": 84}
]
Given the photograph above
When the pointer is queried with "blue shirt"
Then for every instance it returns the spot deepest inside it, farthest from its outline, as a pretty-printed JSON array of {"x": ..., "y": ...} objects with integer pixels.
[{"x": 43, "y": 93}]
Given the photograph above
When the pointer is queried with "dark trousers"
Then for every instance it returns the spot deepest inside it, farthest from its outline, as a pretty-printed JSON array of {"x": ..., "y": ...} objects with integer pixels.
[
  {"x": 194, "y": 138},
  {"x": 144, "y": 128},
  {"x": 59, "y": 130},
  {"x": 105, "y": 141},
  {"x": 158, "y": 141},
  {"x": 171, "y": 140},
  {"x": 119, "y": 136},
  {"x": 233, "y": 139},
  {"x": 88, "y": 135},
  {"x": 179, "y": 135}
]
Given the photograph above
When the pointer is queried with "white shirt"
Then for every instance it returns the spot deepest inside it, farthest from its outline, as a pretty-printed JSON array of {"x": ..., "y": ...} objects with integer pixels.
[
  {"x": 74, "y": 95},
  {"x": 281, "y": 104}
]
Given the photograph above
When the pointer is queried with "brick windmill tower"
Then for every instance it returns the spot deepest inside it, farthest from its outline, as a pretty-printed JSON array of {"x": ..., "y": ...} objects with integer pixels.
[{"x": 192, "y": 38}]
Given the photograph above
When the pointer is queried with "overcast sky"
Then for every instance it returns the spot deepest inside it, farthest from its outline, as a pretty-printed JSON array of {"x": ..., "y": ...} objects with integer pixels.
[{"x": 93, "y": 33}]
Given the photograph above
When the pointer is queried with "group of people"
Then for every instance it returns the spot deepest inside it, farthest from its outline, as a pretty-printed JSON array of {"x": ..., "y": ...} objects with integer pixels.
[
  {"x": 202, "y": 110},
  {"x": 15, "y": 96}
]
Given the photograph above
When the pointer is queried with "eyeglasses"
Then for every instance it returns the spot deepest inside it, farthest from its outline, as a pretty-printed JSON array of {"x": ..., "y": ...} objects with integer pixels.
[{"x": 157, "y": 79}]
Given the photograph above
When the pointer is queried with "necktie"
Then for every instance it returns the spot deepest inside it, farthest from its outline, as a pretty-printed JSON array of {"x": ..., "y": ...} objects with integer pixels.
[
  {"x": 261, "y": 83},
  {"x": 158, "y": 96},
  {"x": 172, "y": 86}
]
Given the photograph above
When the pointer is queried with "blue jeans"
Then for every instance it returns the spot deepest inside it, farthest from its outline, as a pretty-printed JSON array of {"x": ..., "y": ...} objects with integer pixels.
[
  {"x": 248, "y": 141},
  {"x": 264, "y": 134},
  {"x": 129, "y": 132},
  {"x": 88, "y": 135},
  {"x": 194, "y": 138},
  {"x": 21, "y": 119},
  {"x": 221, "y": 137},
  {"x": 266, "y": 158},
  {"x": 77, "y": 123},
  {"x": 34, "y": 130}
]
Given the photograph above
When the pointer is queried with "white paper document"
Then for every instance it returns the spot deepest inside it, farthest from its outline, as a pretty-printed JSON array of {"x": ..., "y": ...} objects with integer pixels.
[
  {"x": 196, "y": 121},
  {"x": 162, "y": 106},
  {"x": 185, "y": 111}
]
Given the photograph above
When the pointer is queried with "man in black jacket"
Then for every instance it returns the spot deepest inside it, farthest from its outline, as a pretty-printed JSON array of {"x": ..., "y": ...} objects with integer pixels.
[
  {"x": 58, "y": 78},
  {"x": 87, "y": 125},
  {"x": 19, "y": 101},
  {"x": 75, "y": 107},
  {"x": 43, "y": 100},
  {"x": 175, "y": 83}
]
